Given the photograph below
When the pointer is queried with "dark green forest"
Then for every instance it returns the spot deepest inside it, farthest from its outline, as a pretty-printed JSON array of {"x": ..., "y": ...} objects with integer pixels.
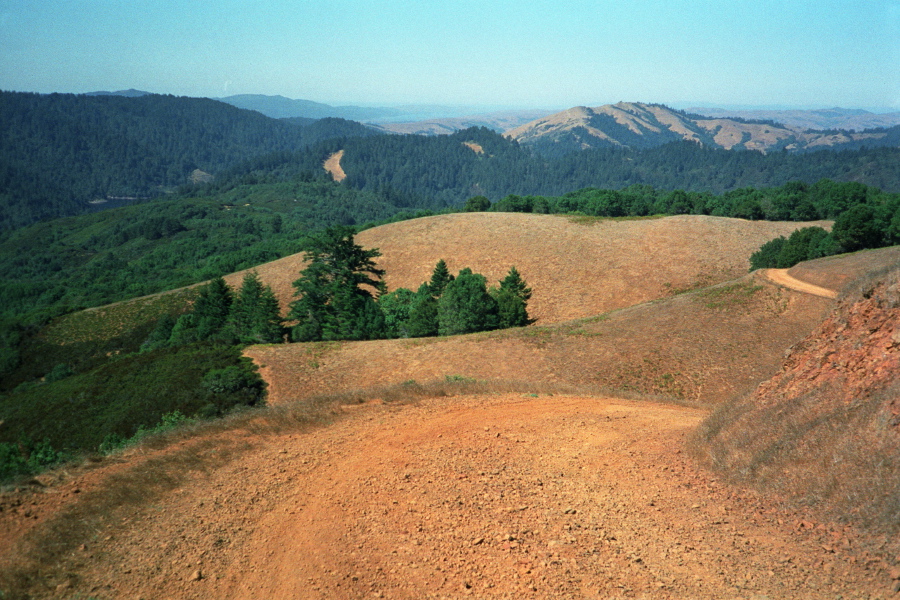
[
  {"x": 64, "y": 154},
  {"x": 61, "y": 152}
]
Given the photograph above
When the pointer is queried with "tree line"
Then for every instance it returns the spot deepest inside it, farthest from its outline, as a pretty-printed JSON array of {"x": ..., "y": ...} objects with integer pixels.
[
  {"x": 793, "y": 201},
  {"x": 860, "y": 227},
  {"x": 341, "y": 295}
]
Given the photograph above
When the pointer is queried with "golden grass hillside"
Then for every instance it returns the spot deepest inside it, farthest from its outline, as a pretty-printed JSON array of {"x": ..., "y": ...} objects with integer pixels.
[
  {"x": 826, "y": 428},
  {"x": 578, "y": 267},
  {"x": 699, "y": 348}
]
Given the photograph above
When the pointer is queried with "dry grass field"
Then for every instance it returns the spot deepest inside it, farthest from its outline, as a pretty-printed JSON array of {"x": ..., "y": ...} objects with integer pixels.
[{"x": 577, "y": 266}]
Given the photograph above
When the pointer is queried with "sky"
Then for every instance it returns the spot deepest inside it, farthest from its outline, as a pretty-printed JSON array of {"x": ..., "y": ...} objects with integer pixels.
[{"x": 503, "y": 53}]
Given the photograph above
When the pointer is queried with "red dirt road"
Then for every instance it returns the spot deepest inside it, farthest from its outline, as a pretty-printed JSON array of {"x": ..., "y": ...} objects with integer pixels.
[{"x": 500, "y": 496}]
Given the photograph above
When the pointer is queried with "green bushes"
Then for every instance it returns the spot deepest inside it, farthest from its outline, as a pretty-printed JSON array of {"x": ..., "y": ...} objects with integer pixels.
[
  {"x": 27, "y": 458},
  {"x": 79, "y": 412}
]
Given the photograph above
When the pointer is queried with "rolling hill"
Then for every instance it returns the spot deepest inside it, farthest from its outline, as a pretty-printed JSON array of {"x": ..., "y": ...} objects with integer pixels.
[
  {"x": 477, "y": 456},
  {"x": 638, "y": 125},
  {"x": 66, "y": 154},
  {"x": 818, "y": 119},
  {"x": 578, "y": 267}
]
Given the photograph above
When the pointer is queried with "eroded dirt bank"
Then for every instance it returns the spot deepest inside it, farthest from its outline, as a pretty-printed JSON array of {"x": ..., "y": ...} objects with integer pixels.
[{"x": 498, "y": 496}]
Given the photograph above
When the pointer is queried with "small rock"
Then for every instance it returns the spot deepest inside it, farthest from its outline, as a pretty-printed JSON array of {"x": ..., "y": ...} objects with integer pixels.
[
  {"x": 196, "y": 575},
  {"x": 477, "y": 541}
]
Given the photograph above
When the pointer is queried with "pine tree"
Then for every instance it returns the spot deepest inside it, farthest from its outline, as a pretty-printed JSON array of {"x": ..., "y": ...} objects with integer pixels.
[
  {"x": 423, "y": 314},
  {"x": 440, "y": 277},
  {"x": 208, "y": 317},
  {"x": 336, "y": 292},
  {"x": 466, "y": 306},
  {"x": 255, "y": 315},
  {"x": 512, "y": 301}
]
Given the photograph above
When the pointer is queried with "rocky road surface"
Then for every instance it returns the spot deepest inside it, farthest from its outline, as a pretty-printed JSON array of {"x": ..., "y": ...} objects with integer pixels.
[{"x": 497, "y": 496}]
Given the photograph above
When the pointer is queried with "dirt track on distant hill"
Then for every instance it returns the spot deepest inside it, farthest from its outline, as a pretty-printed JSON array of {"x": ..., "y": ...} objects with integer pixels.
[
  {"x": 781, "y": 277},
  {"x": 499, "y": 496},
  {"x": 333, "y": 166}
]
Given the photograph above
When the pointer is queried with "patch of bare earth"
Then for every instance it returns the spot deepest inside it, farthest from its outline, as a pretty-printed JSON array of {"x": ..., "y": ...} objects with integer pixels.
[
  {"x": 333, "y": 166},
  {"x": 474, "y": 147},
  {"x": 499, "y": 496}
]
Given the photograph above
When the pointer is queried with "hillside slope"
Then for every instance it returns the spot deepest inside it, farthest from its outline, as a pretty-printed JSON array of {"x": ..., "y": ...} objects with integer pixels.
[
  {"x": 639, "y": 125},
  {"x": 699, "y": 348},
  {"x": 527, "y": 483},
  {"x": 824, "y": 429},
  {"x": 530, "y": 491},
  {"x": 577, "y": 267},
  {"x": 64, "y": 154}
]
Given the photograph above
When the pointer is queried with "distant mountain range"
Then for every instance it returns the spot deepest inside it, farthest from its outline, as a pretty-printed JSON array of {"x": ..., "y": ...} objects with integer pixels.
[
  {"x": 411, "y": 119},
  {"x": 641, "y": 126},
  {"x": 850, "y": 119},
  {"x": 124, "y": 93}
]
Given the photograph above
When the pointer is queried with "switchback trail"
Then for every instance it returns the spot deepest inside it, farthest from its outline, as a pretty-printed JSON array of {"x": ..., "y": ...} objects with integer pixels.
[{"x": 496, "y": 496}]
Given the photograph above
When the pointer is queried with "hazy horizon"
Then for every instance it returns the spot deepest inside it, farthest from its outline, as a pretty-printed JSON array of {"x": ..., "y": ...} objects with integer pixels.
[{"x": 760, "y": 54}]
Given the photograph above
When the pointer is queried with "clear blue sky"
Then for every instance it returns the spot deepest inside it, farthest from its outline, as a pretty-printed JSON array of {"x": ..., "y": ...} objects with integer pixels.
[{"x": 541, "y": 53}]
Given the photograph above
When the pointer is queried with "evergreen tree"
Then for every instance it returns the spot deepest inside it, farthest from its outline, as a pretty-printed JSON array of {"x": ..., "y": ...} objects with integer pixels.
[
  {"x": 255, "y": 315},
  {"x": 466, "y": 306},
  {"x": 208, "y": 316},
  {"x": 512, "y": 301},
  {"x": 423, "y": 314},
  {"x": 440, "y": 277},
  {"x": 336, "y": 292}
]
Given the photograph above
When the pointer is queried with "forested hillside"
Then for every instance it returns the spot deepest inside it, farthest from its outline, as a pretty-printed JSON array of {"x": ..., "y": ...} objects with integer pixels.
[
  {"x": 60, "y": 153},
  {"x": 436, "y": 171},
  {"x": 64, "y": 154}
]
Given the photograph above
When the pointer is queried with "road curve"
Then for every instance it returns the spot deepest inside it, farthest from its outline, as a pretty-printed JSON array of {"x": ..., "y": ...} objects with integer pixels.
[{"x": 781, "y": 277}]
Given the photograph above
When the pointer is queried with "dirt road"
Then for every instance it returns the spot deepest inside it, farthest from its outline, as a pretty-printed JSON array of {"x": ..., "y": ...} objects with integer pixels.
[
  {"x": 781, "y": 277},
  {"x": 499, "y": 496}
]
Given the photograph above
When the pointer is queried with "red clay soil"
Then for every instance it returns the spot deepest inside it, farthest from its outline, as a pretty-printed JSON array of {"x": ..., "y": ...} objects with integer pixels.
[{"x": 499, "y": 496}]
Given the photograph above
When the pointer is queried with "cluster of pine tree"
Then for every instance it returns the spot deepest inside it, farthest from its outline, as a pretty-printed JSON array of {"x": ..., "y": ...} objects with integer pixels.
[
  {"x": 249, "y": 316},
  {"x": 341, "y": 296}
]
